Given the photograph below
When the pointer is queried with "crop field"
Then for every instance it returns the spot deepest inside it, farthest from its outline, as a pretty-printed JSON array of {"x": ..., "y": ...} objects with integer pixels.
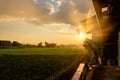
[{"x": 39, "y": 63}]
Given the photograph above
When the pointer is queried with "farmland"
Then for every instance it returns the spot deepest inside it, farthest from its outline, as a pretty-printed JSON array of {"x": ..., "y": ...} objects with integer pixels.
[{"x": 39, "y": 63}]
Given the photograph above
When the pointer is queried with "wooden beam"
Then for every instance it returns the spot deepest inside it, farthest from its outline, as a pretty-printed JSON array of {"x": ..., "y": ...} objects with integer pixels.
[{"x": 78, "y": 72}]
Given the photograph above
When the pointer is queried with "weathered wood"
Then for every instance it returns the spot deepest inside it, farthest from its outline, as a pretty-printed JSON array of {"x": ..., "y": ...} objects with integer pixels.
[
  {"x": 78, "y": 72},
  {"x": 104, "y": 73}
]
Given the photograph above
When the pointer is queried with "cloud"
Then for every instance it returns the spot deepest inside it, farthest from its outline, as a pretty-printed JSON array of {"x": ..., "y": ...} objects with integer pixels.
[
  {"x": 72, "y": 11},
  {"x": 35, "y": 1},
  {"x": 43, "y": 12},
  {"x": 58, "y": 2}
]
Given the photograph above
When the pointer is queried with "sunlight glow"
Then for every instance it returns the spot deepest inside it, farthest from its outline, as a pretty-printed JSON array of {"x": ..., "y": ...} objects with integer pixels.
[{"x": 82, "y": 36}]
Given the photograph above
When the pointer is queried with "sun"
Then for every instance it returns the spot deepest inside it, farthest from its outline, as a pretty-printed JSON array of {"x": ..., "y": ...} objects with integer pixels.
[{"x": 82, "y": 36}]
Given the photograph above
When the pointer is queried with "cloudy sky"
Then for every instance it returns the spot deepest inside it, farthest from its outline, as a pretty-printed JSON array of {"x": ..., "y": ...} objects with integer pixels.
[{"x": 33, "y": 21}]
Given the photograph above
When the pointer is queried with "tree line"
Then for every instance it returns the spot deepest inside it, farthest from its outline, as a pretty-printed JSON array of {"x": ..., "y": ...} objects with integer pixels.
[{"x": 15, "y": 44}]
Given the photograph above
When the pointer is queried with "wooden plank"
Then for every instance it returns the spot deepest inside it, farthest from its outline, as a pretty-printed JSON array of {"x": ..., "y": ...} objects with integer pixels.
[
  {"x": 78, "y": 72},
  {"x": 104, "y": 73}
]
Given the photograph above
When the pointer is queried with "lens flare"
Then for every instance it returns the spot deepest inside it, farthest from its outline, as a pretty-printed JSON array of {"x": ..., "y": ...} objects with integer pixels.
[{"x": 82, "y": 36}]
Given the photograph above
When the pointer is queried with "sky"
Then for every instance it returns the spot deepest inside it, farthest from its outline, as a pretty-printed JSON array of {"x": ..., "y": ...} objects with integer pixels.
[{"x": 33, "y": 21}]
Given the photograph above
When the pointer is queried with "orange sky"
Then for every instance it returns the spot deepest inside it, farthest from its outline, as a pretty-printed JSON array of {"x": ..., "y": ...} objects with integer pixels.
[{"x": 33, "y": 21}]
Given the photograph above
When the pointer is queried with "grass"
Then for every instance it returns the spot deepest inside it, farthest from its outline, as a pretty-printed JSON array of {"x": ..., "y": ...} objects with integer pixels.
[
  {"x": 39, "y": 63},
  {"x": 42, "y": 51}
]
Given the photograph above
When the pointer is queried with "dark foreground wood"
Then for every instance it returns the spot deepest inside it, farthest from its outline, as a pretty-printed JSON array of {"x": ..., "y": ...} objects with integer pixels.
[{"x": 104, "y": 73}]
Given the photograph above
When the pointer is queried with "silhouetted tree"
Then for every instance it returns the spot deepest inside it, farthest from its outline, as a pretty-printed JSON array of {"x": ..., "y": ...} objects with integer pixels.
[
  {"x": 5, "y": 43},
  {"x": 46, "y": 44},
  {"x": 40, "y": 44},
  {"x": 50, "y": 44},
  {"x": 15, "y": 43},
  {"x": 29, "y": 45}
]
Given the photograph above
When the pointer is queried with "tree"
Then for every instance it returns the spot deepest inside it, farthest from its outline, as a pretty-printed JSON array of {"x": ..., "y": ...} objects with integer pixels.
[
  {"x": 50, "y": 44},
  {"x": 4, "y": 43},
  {"x": 40, "y": 44},
  {"x": 15, "y": 43},
  {"x": 29, "y": 45}
]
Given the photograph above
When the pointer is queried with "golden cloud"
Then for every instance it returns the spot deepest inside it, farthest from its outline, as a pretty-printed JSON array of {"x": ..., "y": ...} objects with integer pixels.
[{"x": 70, "y": 11}]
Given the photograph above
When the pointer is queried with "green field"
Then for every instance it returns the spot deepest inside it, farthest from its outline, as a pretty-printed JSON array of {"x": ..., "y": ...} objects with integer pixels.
[{"x": 39, "y": 63}]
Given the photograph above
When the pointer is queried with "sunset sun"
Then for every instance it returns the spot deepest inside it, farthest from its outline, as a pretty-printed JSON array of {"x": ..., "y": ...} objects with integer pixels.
[{"x": 82, "y": 36}]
